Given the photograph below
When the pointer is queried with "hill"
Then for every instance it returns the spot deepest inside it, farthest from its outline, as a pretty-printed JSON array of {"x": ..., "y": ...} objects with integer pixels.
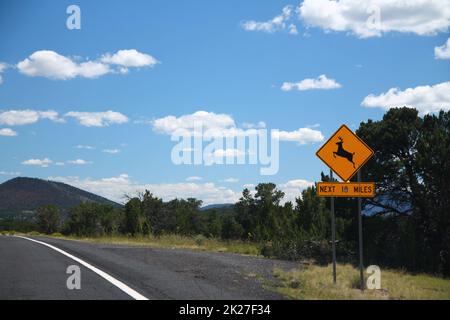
[
  {"x": 19, "y": 197},
  {"x": 217, "y": 206},
  {"x": 224, "y": 208}
]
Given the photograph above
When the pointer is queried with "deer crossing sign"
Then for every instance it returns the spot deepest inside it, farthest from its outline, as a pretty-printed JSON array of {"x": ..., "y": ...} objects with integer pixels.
[{"x": 345, "y": 153}]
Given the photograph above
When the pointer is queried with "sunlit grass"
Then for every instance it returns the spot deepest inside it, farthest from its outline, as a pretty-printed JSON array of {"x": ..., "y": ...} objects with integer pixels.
[
  {"x": 315, "y": 282},
  {"x": 174, "y": 242}
]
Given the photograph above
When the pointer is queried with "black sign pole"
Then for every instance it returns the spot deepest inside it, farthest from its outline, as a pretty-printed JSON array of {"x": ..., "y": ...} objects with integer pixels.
[
  {"x": 361, "y": 264},
  {"x": 333, "y": 232}
]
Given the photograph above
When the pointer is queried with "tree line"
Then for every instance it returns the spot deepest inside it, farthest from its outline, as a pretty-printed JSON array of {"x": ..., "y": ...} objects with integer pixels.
[{"x": 407, "y": 225}]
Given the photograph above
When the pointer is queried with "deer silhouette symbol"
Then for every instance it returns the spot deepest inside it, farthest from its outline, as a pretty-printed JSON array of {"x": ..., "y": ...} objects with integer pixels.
[{"x": 341, "y": 152}]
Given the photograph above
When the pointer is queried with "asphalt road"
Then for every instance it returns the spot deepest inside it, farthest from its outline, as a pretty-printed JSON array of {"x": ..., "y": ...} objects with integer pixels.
[{"x": 30, "y": 270}]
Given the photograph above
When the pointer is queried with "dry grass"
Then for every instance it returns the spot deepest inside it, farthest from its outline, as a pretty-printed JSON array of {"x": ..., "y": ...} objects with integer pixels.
[
  {"x": 175, "y": 242},
  {"x": 315, "y": 282}
]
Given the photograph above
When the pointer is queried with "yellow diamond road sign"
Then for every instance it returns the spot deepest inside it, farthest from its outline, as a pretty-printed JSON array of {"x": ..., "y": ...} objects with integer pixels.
[{"x": 345, "y": 153}]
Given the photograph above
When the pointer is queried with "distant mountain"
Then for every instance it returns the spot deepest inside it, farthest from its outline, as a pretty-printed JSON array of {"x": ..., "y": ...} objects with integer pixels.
[
  {"x": 20, "y": 197},
  {"x": 217, "y": 206}
]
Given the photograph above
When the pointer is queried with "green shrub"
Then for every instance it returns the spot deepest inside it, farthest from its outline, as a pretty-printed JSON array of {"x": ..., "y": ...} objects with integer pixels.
[
  {"x": 267, "y": 250},
  {"x": 7, "y": 232},
  {"x": 284, "y": 249},
  {"x": 298, "y": 249},
  {"x": 355, "y": 282},
  {"x": 57, "y": 235},
  {"x": 199, "y": 239},
  {"x": 287, "y": 250},
  {"x": 294, "y": 284},
  {"x": 33, "y": 233}
]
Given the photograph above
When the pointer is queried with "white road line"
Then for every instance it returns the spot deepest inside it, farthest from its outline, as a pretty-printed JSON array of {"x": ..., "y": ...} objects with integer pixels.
[{"x": 119, "y": 284}]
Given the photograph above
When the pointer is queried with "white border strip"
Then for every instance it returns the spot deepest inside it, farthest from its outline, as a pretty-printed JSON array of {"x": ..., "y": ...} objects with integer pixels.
[{"x": 119, "y": 284}]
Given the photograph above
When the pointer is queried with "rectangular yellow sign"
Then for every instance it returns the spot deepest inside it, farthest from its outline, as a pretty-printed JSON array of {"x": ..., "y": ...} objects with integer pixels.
[{"x": 346, "y": 189}]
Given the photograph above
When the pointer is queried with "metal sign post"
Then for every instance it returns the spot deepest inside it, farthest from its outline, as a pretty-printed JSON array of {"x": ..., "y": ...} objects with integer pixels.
[
  {"x": 333, "y": 232},
  {"x": 361, "y": 264}
]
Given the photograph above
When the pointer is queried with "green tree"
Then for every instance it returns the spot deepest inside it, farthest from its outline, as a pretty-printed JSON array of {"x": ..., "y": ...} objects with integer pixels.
[
  {"x": 214, "y": 224},
  {"x": 246, "y": 214},
  {"x": 393, "y": 166},
  {"x": 313, "y": 215},
  {"x": 433, "y": 168},
  {"x": 411, "y": 167},
  {"x": 93, "y": 219},
  {"x": 158, "y": 219},
  {"x": 231, "y": 229},
  {"x": 186, "y": 216},
  {"x": 267, "y": 202},
  {"x": 134, "y": 218},
  {"x": 111, "y": 220},
  {"x": 48, "y": 218}
]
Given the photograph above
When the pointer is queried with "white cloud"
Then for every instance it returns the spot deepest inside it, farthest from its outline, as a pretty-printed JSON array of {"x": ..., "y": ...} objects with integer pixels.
[
  {"x": 426, "y": 99},
  {"x": 278, "y": 23},
  {"x": 443, "y": 52},
  {"x": 115, "y": 188},
  {"x": 87, "y": 147},
  {"x": 194, "y": 178},
  {"x": 294, "y": 188},
  {"x": 208, "y": 121},
  {"x": 7, "y": 132},
  {"x": 92, "y": 69},
  {"x": 293, "y": 29},
  {"x": 421, "y": 17},
  {"x": 129, "y": 58},
  {"x": 22, "y": 117},
  {"x": 230, "y": 180},
  {"x": 60, "y": 163},
  {"x": 259, "y": 125},
  {"x": 44, "y": 163},
  {"x": 88, "y": 119},
  {"x": 98, "y": 119},
  {"x": 302, "y": 136},
  {"x": 49, "y": 64},
  {"x": 3, "y": 67},
  {"x": 79, "y": 162},
  {"x": 111, "y": 151},
  {"x": 222, "y": 125},
  {"x": 322, "y": 82},
  {"x": 50, "y": 115},
  {"x": 52, "y": 65}
]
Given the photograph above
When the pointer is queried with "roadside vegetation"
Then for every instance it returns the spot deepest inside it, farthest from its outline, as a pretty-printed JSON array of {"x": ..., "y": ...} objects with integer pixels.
[
  {"x": 169, "y": 241},
  {"x": 407, "y": 226},
  {"x": 315, "y": 282}
]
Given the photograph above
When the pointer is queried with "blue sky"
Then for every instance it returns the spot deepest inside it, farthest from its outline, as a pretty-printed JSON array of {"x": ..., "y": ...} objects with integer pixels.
[{"x": 147, "y": 60}]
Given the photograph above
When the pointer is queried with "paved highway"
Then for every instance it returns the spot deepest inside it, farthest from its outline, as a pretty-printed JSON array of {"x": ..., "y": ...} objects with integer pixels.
[{"x": 35, "y": 268}]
